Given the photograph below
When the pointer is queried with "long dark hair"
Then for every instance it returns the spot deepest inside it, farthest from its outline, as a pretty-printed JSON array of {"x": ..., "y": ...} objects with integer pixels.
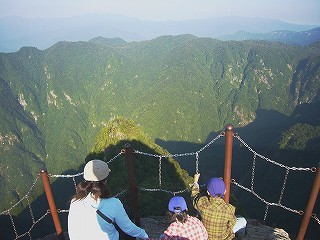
[
  {"x": 181, "y": 216},
  {"x": 97, "y": 189}
]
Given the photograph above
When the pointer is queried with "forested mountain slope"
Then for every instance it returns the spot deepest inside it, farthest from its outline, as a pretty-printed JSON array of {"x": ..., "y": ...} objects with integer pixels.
[
  {"x": 177, "y": 88},
  {"x": 109, "y": 145}
]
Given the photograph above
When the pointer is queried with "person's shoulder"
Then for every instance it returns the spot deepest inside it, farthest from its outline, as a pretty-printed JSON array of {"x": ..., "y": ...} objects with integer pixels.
[
  {"x": 194, "y": 219},
  {"x": 174, "y": 225},
  {"x": 221, "y": 201},
  {"x": 233, "y": 208},
  {"x": 203, "y": 199},
  {"x": 74, "y": 202},
  {"x": 112, "y": 200}
]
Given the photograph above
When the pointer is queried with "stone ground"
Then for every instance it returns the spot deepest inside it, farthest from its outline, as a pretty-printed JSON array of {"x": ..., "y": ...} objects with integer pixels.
[{"x": 154, "y": 226}]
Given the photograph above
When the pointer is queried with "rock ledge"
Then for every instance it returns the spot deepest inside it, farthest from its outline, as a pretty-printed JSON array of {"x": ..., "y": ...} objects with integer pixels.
[{"x": 154, "y": 226}]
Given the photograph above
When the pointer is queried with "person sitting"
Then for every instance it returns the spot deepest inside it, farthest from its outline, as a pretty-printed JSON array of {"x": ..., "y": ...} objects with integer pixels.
[
  {"x": 93, "y": 212},
  {"x": 183, "y": 226},
  {"x": 217, "y": 216}
]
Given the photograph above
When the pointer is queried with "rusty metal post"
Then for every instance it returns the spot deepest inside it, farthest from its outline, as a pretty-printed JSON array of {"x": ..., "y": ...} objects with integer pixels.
[
  {"x": 310, "y": 205},
  {"x": 132, "y": 183},
  {"x": 51, "y": 202},
  {"x": 228, "y": 160}
]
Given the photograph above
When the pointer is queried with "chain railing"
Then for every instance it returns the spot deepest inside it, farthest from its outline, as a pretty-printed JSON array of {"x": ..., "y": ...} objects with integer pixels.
[{"x": 160, "y": 189}]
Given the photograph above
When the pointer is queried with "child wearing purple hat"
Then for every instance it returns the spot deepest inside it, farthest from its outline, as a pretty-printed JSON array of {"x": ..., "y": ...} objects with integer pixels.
[
  {"x": 217, "y": 216},
  {"x": 183, "y": 226}
]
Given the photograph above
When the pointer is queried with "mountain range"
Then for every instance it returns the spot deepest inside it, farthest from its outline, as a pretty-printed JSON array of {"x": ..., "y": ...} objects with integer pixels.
[
  {"x": 17, "y": 32},
  {"x": 301, "y": 38},
  {"x": 178, "y": 89}
]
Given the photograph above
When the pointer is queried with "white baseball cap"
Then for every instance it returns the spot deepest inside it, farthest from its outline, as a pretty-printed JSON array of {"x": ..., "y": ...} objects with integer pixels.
[{"x": 96, "y": 170}]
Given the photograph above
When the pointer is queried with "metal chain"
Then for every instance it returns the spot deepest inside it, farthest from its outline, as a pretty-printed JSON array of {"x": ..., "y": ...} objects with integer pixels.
[
  {"x": 300, "y": 212},
  {"x": 13, "y": 225},
  {"x": 266, "y": 213},
  {"x": 65, "y": 176},
  {"x": 264, "y": 201},
  {"x": 29, "y": 231},
  {"x": 253, "y": 170},
  {"x": 147, "y": 154},
  {"x": 62, "y": 210},
  {"x": 74, "y": 183},
  {"x": 162, "y": 190},
  {"x": 221, "y": 134},
  {"x": 181, "y": 154},
  {"x": 197, "y": 162},
  {"x": 115, "y": 157},
  {"x": 120, "y": 193},
  {"x": 314, "y": 216},
  {"x": 313, "y": 169},
  {"x": 27, "y": 194},
  {"x": 165, "y": 156},
  {"x": 255, "y": 154},
  {"x": 81, "y": 173},
  {"x": 284, "y": 185},
  {"x": 160, "y": 158},
  {"x": 30, "y": 209}
]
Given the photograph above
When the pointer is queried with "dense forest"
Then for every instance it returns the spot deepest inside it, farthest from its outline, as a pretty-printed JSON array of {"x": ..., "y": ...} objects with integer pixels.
[{"x": 179, "y": 90}]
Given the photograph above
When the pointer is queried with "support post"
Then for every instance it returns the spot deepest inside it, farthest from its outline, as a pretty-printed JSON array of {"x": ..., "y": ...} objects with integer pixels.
[
  {"x": 228, "y": 160},
  {"x": 51, "y": 202},
  {"x": 310, "y": 205},
  {"x": 132, "y": 183}
]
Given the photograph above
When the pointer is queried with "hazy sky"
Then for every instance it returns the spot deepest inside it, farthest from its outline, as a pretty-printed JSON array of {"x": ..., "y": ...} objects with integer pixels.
[{"x": 293, "y": 11}]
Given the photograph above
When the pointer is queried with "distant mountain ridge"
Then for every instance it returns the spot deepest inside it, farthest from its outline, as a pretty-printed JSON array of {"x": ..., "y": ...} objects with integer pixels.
[
  {"x": 17, "y": 32},
  {"x": 290, "y": 37}
]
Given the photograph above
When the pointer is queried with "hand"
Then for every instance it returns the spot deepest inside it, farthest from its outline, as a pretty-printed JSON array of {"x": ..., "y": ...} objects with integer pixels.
[{"x": 196, "y": 177}]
